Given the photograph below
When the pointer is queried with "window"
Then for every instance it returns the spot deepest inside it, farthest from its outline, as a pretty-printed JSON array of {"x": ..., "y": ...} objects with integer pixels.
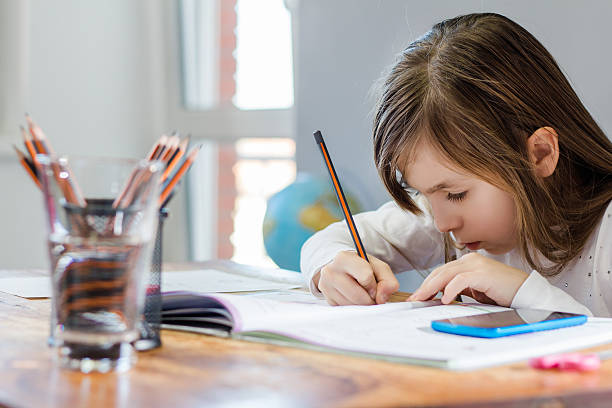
[
  {"x": 263, "y": 167},
  {"x": 236, "y": 96},
  {"x": 264, "y": 72},
  {"x": 228, "y": 54}
]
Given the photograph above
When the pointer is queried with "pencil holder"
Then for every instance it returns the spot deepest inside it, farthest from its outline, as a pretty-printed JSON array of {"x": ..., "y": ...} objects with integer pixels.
[
  {"x": 99, "y": 216},
  {"x": 101, "y": 249},
  {"x": 151, "y": 320}
]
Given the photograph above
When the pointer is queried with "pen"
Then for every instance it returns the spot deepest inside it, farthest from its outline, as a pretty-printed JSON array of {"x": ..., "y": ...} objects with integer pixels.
[{"x": 340, "y": 195}]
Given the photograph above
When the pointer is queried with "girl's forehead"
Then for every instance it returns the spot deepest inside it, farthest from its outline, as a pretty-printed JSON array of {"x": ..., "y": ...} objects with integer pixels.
[
  {"x": 424, "y": 153},
  {"x": 424, "y": 165}
]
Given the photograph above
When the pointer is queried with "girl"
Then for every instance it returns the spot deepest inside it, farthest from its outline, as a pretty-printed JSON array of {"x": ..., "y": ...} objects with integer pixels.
[{"x": 490, "y": 156}]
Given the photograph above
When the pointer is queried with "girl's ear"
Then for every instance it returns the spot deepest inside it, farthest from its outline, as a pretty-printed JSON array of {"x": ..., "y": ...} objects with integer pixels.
[{"x": 543, "y": 150}]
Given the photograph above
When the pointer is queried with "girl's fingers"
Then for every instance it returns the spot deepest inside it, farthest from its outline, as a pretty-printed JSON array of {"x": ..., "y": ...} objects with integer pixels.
[
  {"x": 433, "y": 277},
  {"x": 387, "y": 282},
  {"x": 352, "y": 292},
  {"x": 335, "y": 298},
  {"x": 430, "y": 287},
  {"x": 457, "y": 285},
  {"x": 349, "y": 279},
  {"x": 342, "y": 288},
  {"x": 359, "y": 269}
]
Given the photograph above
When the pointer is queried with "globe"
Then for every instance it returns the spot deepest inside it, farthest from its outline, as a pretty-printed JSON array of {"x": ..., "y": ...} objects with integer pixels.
[{"x": 306, "y": 206}]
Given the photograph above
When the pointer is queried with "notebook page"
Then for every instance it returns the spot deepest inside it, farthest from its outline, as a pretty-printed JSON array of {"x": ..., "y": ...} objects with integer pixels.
[
  {"x": 211, "y": 280},
  {"x": 407, "y": 333},
  {"x": 256, "y": 313}
]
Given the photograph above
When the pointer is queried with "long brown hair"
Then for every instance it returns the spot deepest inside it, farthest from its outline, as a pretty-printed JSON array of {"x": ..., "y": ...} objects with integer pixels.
[{"x": 476, "y": 87}]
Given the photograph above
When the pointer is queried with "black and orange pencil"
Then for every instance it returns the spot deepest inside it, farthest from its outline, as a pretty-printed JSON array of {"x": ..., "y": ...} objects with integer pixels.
[
  {"x": 163, "y": 145},
  {"x": 63, "y": 174},
  {"x": 27, "y": 142},
  {"x": 40, "y": 140},
  {"x": 27, "y": 165},
  {"x": 340, "y": 195},
  {"x": 191, "y": 156},
  {"x": 175, "y": 159},
  {"x": 172, "y": 145},
  {"x": 156, "y": 147}
]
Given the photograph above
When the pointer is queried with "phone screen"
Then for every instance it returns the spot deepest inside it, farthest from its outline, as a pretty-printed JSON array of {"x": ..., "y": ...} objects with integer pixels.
[{"x": 507, "y": 318}]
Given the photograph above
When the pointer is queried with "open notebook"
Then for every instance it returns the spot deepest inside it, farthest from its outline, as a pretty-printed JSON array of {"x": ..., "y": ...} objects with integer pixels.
[{"x": 397, "y": 332}]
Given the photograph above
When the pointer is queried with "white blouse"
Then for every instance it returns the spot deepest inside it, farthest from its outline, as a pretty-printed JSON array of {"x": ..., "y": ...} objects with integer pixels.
[{"x": 409, "y": 242}]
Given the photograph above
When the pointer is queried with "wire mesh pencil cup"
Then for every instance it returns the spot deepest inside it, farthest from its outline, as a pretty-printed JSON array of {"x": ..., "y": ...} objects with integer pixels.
[{"x": 150, "y": 324}]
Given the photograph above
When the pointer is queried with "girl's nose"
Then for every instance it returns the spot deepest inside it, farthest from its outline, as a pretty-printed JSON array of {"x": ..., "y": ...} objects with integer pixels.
[{"x": 446, "y": 221}]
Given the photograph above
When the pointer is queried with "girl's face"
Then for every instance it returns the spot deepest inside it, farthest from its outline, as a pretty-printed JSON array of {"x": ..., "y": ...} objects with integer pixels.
[{"x": 478, "y": 214}]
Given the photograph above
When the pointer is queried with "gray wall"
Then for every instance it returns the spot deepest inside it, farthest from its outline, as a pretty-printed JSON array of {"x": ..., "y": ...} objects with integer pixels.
[
  {"x": 343, "y": 46},
  {"x": 96, "y": 87}
]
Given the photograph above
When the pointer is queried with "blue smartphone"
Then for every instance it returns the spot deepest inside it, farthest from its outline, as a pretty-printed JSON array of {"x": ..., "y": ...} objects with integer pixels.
[{"x": 507, "y": 323}]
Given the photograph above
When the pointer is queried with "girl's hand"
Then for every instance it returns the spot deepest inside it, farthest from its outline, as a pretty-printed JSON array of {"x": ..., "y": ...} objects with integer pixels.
[
  {"x": 473, "y": 275},
  {"x": 350, "y": 280}
]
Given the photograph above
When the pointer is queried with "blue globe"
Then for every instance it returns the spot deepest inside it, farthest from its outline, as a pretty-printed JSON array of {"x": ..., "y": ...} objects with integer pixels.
[{"x": 307, "y": 205}]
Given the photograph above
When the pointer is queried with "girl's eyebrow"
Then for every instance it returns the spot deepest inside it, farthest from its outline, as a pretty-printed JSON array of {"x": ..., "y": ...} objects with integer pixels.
[{"x": 439, "y": 186}]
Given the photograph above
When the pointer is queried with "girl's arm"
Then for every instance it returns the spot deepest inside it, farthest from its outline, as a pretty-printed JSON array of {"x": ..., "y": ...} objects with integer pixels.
[
  {"x": 537, "y": 293},
  {"x": 400, "y": 239}
]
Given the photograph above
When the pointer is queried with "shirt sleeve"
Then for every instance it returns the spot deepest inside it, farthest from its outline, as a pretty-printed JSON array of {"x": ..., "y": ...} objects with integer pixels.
[
  {"x": 403, "y": 240},
  {"x": 537, "y": 293}
]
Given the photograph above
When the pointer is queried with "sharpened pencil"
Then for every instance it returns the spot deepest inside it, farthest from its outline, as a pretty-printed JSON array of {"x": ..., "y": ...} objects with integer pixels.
[
  {"x": 40, "y": 140},
  {"x": 348, "y": 217},
  {"x": 27, "y": 165},
  {"x": 174, "y": 160},
  {"x": 156, "y": 147},
  {"x": 172, "y": 145},
  {"x": 29, "y": 147},
  {"x": 179, "y": 173}
]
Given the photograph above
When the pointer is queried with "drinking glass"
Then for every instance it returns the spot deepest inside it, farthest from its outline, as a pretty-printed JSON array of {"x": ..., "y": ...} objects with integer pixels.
[{"x": 102, "y": 217}]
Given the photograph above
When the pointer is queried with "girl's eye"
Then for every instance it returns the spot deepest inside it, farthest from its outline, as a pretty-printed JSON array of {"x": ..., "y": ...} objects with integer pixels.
[{"x": 456, "y": 197}]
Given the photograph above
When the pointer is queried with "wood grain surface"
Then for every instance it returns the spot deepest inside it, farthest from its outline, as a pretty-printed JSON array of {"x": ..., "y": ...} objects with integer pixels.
[{"x": 192, "y": 370}]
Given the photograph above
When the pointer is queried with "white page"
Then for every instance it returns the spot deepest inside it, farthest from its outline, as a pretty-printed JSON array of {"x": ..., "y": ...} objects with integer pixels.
[
  {"x": 268, "y": 274},
  {"x": 295, "y": 296},
  {"x": 211, "y": 280},
  {"x": 257, "y": 313},
  {"x": 27, "y": 286},
  {"x": 208, "y": 280},
  {"x": 404, "y": 332}
]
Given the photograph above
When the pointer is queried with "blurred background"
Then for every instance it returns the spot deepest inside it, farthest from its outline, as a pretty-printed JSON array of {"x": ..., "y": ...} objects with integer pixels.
[{"x": 251, "y": 79}]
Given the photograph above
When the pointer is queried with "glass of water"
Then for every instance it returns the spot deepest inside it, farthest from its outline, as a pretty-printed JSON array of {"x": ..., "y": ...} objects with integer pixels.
[{"x": 102, "y": 217}]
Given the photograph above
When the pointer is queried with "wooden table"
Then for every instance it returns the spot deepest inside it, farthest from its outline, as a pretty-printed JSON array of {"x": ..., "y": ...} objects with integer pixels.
[{"x": 192, "y": 370}]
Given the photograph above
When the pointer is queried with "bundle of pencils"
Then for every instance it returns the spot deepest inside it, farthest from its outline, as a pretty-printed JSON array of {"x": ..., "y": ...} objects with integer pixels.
[{"x": 170, "y": 150}]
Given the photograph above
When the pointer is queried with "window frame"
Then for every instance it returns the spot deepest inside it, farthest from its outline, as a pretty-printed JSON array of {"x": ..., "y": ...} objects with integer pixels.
[{"x": 222, "y": 123}]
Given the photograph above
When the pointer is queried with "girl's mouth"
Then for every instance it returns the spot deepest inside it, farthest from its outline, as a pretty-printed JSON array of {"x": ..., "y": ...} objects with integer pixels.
[{"x": 472, "y": 246}]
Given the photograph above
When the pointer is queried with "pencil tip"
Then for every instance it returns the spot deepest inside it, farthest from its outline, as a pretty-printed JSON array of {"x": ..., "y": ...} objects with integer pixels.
[{"x": 318, "y": 136}]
